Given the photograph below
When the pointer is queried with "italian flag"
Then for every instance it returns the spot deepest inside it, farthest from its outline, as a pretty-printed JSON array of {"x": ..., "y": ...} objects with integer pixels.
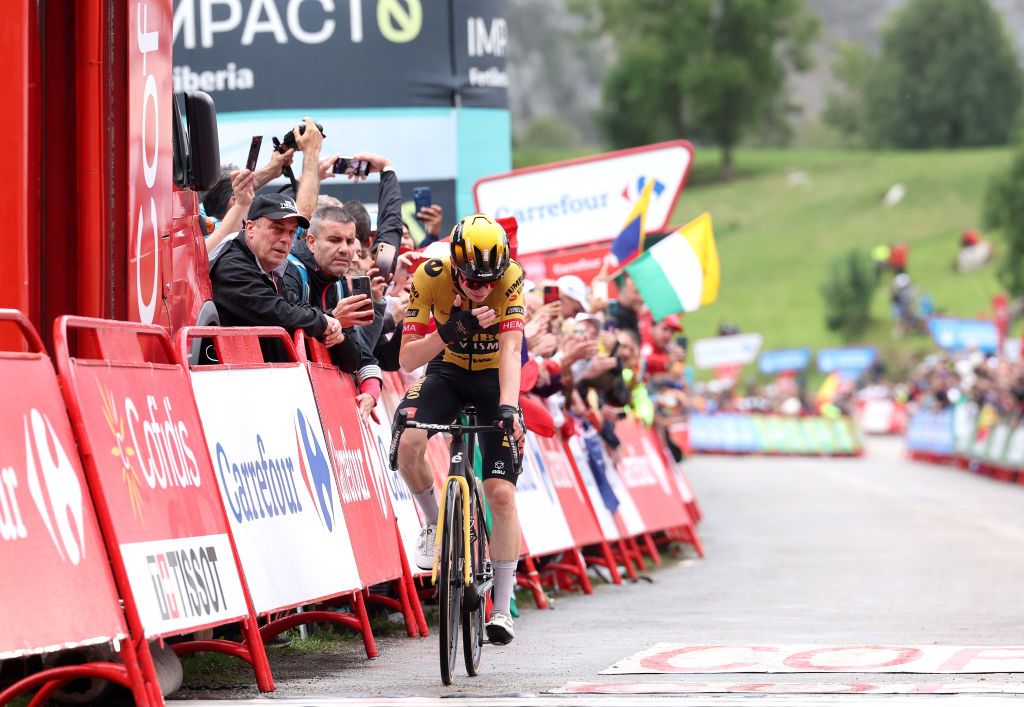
[{"x": 680, "y": 273}]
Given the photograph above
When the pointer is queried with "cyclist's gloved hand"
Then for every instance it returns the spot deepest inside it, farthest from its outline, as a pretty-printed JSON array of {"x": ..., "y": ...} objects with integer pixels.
[
  {"x": 461, "y": 324},
  {"x": 507, "y": 415}
]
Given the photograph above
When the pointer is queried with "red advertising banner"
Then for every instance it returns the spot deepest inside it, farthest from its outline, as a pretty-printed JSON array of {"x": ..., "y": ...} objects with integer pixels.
[
  {"x": 56, "y": 589},
  {"x": 584, "y": 263},
  {"x": 650, "y": 483},
  {"x": 148, "y": 469},
  {"x": 573, "y": 498},
  {"x": 360, "y": 477}
]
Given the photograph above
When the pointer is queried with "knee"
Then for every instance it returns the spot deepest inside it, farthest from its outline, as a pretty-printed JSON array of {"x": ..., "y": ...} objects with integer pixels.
[
  {"x": 501, "y": 496},
  {"x": 412, "y": 446}
]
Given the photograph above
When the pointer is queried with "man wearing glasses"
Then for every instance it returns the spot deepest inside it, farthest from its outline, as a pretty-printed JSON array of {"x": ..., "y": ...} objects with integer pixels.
[{"x": 475, "y": 296}]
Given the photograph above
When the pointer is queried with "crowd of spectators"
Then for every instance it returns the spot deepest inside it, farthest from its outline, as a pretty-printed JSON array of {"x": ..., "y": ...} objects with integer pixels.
[{"x": 943, "y": 380}]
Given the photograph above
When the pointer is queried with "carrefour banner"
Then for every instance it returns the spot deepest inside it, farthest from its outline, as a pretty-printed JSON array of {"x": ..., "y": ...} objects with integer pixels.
[
  {"x": 775, "y": 361},
  {"x": 850, "y": 360},
  {"x": 962, "y": 334},
  {"x": 410, "y": 79},
  {"x": 571, "y": 203},
  {"x": 931, "y": 432},
  {"x": 772, "y": 434},
  {"x": 274, "y": 472}
]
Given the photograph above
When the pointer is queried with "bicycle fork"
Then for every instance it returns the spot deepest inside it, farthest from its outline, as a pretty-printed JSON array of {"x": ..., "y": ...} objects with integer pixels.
[{"x": 467, "y": 557}]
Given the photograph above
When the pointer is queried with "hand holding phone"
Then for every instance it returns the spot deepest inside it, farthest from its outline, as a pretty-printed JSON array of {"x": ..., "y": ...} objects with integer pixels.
[
  {"x": 421, "y": 198},
  {"x": 384, "y": 255},
  {"x": 254, "y": 152},
  {"x": 351, "y": 167},
  {"x": 551, "y": 294}
]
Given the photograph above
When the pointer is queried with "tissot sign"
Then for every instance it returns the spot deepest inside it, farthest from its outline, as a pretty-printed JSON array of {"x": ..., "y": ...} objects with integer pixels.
[{"x": 571, "y": 203}]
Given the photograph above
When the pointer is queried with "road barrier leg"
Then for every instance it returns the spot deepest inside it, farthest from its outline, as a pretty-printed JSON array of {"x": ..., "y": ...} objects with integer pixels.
[
  {"x": 531, "y": 580},
  {"x": 652, "y": 549}
]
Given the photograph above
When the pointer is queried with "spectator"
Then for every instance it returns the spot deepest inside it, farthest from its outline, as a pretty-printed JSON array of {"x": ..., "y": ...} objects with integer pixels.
[
  {"x": 624, "y": 313},
  {"x": 574, "y": 296},
  {"x": 247, "y": 278},
  {"x": 316, "y": 274},
  {"x": 660, "y": 352}
]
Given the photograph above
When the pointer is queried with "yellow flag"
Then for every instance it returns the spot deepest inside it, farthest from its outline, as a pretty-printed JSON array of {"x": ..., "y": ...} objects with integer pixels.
[{"x": 701, "y": 237}]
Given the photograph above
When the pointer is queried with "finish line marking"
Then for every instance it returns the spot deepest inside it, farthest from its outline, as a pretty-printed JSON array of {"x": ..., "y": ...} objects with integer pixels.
[
  {"x": 710, "y": 658},
  {"x": 784, "y": 688}
]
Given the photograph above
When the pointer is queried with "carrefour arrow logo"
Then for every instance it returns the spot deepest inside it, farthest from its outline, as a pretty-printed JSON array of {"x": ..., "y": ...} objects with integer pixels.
[{"x": 315, "y": 469}]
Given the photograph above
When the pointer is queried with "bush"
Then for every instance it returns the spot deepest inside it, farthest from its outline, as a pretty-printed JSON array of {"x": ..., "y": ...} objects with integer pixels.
[
  {"x": 847, "y": 292},
  {"x": 1004, "y": 210}
]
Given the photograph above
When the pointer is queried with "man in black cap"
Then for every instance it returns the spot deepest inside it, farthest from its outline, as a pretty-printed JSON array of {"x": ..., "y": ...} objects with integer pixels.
[{"x": 248, "y": 276}]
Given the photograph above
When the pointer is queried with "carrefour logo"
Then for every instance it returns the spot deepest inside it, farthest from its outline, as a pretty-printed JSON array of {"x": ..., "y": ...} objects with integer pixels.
[
  {"x": 635, "y": 187},
  {"x": 315, "y": 469}
]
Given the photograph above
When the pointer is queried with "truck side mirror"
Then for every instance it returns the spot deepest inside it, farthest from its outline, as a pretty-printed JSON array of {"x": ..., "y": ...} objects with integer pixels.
[{"x": 203, "y": 141}]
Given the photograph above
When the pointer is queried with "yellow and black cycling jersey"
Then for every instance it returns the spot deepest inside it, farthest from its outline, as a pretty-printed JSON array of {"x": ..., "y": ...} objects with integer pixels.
[{"x": 434, "y": 287}]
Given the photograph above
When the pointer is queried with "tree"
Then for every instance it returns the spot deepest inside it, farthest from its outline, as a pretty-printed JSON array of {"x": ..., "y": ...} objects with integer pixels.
[
  {"x": 845, "y": 110},
  {"x": 847, "y": 292},
  {"x": 947, "y": 76},
  {"x": 1004, "y": 209},
  {"x": 703, "y": 67}
]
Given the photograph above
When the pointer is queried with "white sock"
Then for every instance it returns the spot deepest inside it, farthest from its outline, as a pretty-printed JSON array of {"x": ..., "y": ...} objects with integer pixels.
[
  {"x": 427, "y": 501},
  {"x": 504, "y": 582}
]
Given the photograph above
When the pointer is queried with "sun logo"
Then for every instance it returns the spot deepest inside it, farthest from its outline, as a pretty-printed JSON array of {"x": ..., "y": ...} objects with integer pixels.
[{"x": 122, "y": 450}]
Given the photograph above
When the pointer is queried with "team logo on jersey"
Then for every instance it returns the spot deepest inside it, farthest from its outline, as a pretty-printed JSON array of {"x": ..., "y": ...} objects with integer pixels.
[{"x": 509, "y": 311}]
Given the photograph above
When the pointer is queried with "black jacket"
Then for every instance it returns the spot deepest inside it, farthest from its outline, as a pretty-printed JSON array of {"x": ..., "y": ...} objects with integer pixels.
[{"x": 247, "y": 296}]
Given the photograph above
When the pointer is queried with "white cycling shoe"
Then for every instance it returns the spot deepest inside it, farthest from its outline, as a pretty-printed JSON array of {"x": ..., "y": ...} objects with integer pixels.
[
  {"x": 499, "y": 629},
  {"x": 424, "y": 556}
]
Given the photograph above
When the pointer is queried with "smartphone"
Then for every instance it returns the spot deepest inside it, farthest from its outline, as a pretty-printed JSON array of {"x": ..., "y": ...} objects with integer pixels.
[
  {"x": 384, "y": 255},
  {"x": 254, "y": 152},
  {"x": 361, "y": 286},
  {"x": 551, "y": 294},
  {"x": 351, "y": 166},
  {"x": 421, "y": 198}
]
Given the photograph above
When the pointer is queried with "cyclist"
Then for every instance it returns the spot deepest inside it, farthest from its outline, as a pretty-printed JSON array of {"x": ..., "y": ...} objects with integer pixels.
[{"x": 474, "y": 357}]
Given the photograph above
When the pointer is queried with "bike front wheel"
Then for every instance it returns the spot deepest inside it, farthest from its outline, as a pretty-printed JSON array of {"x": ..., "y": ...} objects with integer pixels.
[
  {"x": 473, "y": 617},
  {"x": 450, "y": 580}
]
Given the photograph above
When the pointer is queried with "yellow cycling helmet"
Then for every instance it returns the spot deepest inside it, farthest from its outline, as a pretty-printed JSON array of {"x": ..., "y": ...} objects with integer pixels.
[{"x": 480, "y": 249}]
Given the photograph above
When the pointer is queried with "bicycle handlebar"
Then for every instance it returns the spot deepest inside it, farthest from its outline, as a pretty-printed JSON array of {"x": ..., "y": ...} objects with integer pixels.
[{"x": 402, "y": 421}]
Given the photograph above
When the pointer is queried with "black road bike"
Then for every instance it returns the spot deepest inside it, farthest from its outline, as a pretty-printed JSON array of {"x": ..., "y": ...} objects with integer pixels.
[{"x": 462, "y": 570}]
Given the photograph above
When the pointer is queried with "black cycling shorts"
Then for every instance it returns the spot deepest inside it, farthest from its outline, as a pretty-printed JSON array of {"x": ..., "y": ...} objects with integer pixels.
[{"x": 439, "y": 396}]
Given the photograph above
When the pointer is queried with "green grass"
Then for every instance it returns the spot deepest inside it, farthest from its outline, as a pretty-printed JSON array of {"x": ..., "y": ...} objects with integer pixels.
[{"x": 776, "y": 241}]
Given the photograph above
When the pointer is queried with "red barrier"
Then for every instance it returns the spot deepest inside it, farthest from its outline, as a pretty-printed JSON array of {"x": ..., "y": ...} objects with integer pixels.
[
  {"x": 359, "y": 468},
  {"x": 163, "y": 524},
  {"x": 49, "y": 537},
  {"x": 276, "y": 479},
  {"x": 642, "y": 470}
]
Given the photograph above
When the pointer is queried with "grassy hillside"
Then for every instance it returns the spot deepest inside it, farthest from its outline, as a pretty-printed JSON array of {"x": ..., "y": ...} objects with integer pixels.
[{"x": 776, "y": 239}]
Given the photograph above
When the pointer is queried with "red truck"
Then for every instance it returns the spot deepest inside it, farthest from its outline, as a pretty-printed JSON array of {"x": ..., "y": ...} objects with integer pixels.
[{"x": 105, "y": 164}]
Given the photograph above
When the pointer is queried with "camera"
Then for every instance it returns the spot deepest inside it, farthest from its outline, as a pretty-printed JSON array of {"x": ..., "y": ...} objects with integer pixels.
[{"x": 288, "y": 141}]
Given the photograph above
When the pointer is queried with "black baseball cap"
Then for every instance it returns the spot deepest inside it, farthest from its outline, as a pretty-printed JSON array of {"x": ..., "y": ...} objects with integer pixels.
[{"x": 276, "y": 206}]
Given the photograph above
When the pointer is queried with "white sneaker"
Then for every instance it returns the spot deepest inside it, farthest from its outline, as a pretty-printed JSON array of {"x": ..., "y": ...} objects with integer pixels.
[
  {"x": 424, "y": 557},
  {"x": 499, "y": 629}
]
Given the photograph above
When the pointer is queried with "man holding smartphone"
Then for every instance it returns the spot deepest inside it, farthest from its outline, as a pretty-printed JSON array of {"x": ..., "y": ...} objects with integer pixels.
[
  {"x": 475, "y": 296},
  {"x": 319, "y": 267}
]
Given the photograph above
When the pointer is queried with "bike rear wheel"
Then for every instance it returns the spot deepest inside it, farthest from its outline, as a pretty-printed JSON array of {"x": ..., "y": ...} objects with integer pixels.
[
  {"x": 473, "y": 620},
  {"x": 450, "y": 581}
]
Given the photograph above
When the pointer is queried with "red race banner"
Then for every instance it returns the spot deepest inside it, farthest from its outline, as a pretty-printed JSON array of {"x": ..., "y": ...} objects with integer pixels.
[
  {"x": 649, "y": 482},
  {"x": 139, "y": 431},
  {"x": 57, "y": 590},
  {"x": 358, "y": 471},
  {"x": 573, "y": 498}
]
